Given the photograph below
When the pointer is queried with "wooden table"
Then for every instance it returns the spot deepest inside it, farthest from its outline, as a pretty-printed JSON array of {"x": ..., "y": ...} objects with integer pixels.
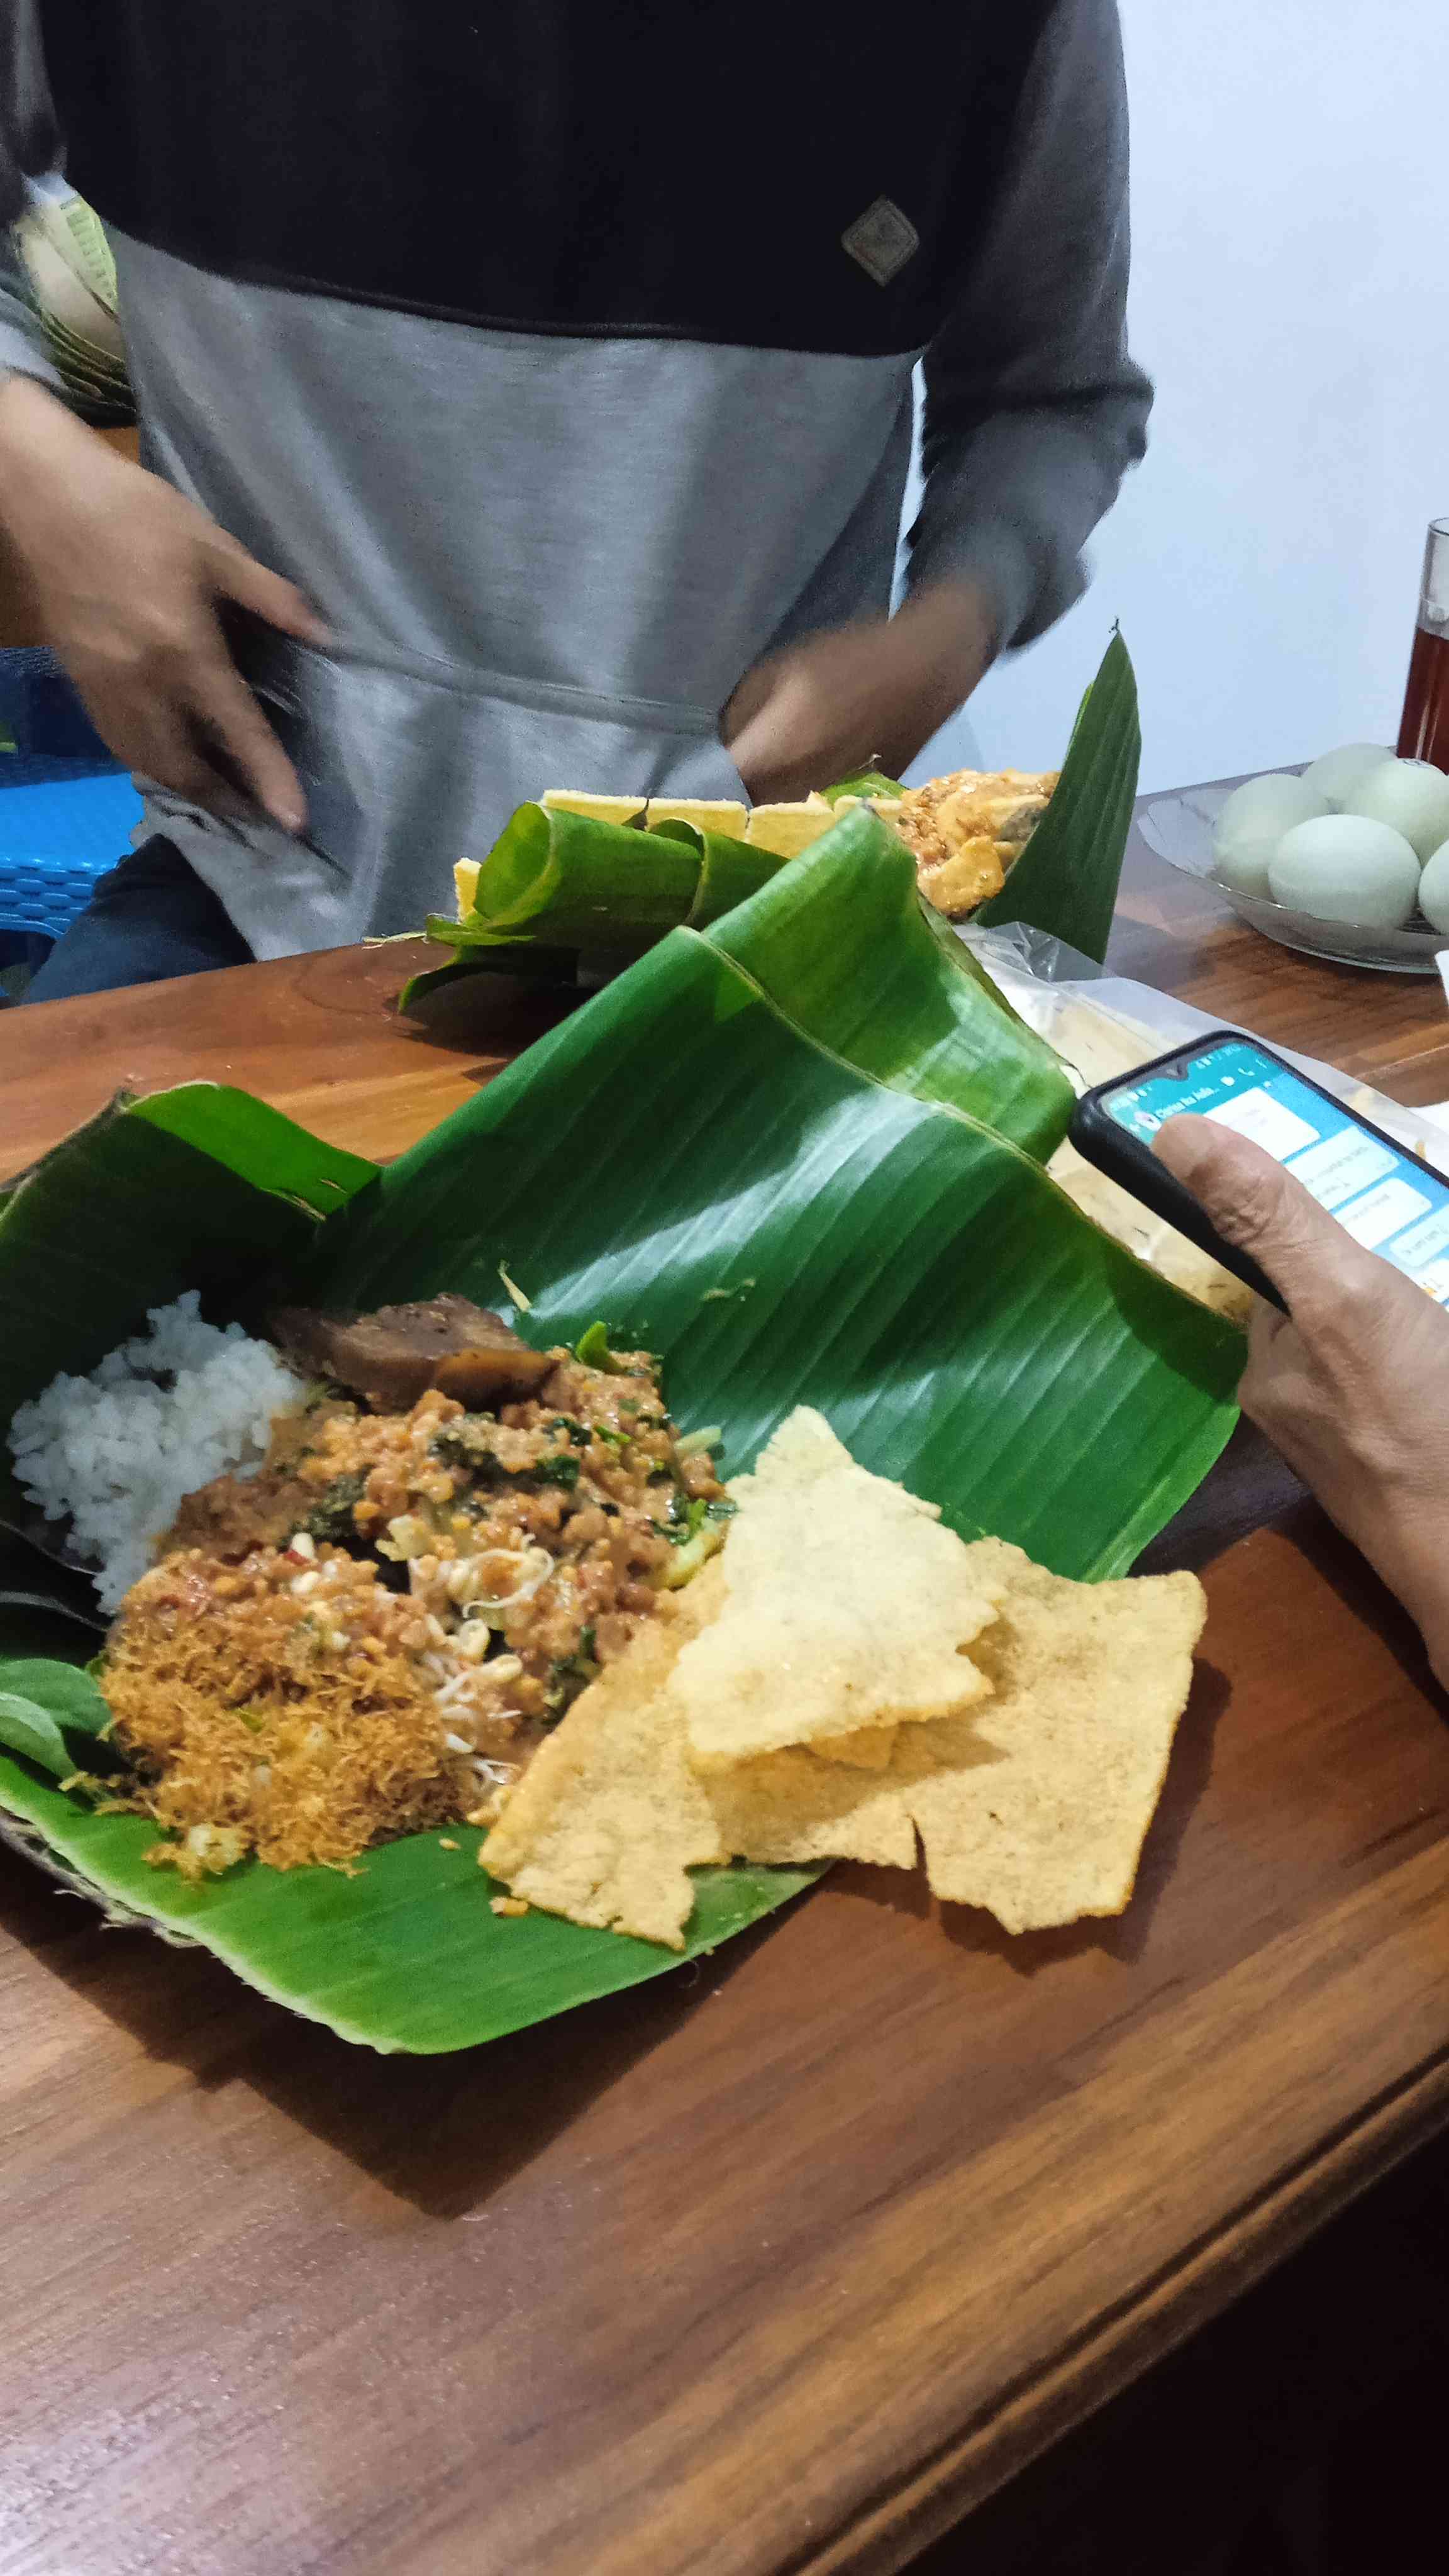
[{"x": 784, "y": 2262}]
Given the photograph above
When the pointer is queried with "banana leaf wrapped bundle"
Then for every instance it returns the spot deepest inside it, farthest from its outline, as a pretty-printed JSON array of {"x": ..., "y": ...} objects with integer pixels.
[{"x": 561, "y": 885}]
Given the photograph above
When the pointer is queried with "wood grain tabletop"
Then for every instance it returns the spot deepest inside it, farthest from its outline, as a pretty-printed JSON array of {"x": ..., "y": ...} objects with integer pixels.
[{"x": 777, "y": 2266}]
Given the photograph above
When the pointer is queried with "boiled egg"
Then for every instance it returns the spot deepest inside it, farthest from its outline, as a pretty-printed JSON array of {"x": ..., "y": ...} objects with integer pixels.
[
  {"x": 1336, "y": 774},
  {"x": 1346, "y": 867},
  {"x": 1434, "y": 888},
  {"x": 1412, "y": 796},
  {"x": 1253, "y": 822}
]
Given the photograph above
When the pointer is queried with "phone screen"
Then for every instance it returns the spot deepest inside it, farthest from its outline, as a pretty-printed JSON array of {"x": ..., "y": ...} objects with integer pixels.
[{"x": 1385, "y": 1199}]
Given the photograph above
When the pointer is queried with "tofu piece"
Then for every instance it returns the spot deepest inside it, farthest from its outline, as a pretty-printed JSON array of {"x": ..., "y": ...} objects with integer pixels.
[
  {"x": 788, "y": 829},
  {"x": 723, "y": 815}
]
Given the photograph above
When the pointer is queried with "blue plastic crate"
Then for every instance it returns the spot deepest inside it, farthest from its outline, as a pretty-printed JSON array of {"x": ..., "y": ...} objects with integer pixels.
[
  {"x": 63, "y": 823},
  {"x": 67, "y": 810}
]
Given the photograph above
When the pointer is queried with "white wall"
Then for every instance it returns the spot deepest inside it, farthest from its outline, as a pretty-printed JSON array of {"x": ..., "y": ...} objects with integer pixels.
[{"x": 1291, "y": 299}]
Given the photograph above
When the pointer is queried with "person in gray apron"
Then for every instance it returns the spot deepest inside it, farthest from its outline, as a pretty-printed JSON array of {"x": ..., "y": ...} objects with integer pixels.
[{"x": 527, "y": 398}]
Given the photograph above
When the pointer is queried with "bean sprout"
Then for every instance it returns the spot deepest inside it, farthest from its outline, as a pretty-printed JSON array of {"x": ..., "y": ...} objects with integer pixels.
[{"x": 537, "y": 1565}]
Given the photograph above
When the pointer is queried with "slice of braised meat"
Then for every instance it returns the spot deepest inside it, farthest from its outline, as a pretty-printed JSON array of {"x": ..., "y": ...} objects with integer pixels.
[{"x": 394, "y": 1356}]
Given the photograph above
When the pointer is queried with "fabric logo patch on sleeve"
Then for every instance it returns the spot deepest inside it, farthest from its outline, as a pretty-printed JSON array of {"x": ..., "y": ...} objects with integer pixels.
[{"x": 882, "y": 240}]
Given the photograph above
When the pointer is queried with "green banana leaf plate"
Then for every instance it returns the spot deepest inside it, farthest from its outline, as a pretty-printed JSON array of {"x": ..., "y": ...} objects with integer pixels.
[{"x": 800, "y": 1152}]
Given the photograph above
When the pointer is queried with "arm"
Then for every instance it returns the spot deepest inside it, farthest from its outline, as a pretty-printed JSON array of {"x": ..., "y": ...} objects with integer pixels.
[
  {"x": 130, "y": 578},
  {"x": 1033, "y": 413},
  {"x": 128, "y": 575},
  {"x": 1354, "y": 1387},
  {"x": 1034, "y": 410},
  {"x": 865, "y": 695}
]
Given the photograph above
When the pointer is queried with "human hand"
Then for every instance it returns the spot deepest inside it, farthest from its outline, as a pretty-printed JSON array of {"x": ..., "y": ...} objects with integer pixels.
[
  {"x": 129, "y": 578},
  {"x": 1353, "y": 1384},
  {"x": 869, "y": 694}
]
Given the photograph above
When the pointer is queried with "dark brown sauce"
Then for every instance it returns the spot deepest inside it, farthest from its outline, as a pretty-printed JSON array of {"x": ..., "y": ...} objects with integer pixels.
[{"x": 1424, "y": 732}]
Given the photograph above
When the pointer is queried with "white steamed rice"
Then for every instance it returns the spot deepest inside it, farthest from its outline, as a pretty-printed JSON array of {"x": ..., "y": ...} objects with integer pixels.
[{"x": 117, "y": 1452}]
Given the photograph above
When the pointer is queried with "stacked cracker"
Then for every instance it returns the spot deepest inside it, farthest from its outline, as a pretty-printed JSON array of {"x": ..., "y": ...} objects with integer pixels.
[{"x": 811, "y": 1696}]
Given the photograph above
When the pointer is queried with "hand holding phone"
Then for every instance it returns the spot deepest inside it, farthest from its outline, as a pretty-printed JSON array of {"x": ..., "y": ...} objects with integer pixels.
[
  {"x": 1352, "y": 1385},
  {"x": 1387, "y": 1199},
  {"x": 1353, "y": 1388}
]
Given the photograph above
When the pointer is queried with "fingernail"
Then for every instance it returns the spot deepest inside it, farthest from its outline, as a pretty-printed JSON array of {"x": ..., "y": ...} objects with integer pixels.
[{"x": 291, "y": 817}]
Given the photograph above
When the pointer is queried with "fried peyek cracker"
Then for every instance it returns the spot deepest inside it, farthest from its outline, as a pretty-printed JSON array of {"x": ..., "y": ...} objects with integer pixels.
[
  {"x": 792, "y": 1806},
  {"x": 1034, "y": 1805},
  {"x": 802, "y": 1450},
  {"x": 608, "y": 1819},
  {"x": 610, "y": 1816},
  {"x": 867, "y": 1749},
  {"x": 1038, "y": 1807},
  {"x": 848, "y": 1609}
]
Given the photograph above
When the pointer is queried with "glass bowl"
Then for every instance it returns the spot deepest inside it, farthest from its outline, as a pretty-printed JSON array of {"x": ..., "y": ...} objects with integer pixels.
[{"x": 1179, "y": 829}]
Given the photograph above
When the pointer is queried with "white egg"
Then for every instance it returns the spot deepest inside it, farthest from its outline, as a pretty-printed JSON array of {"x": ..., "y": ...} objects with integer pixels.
[
  {"x": 1342, "y": 867},
  {"x": 1410, "y": 795},
  {"x": 1336, "y": 774},
  {"x": 1434, "y": 888},
  {"x": 1253, "y": 822}
]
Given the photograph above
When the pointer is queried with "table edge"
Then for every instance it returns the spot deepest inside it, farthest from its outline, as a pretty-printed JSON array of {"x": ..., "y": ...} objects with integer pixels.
[{"x": 1084, "y": 2375}]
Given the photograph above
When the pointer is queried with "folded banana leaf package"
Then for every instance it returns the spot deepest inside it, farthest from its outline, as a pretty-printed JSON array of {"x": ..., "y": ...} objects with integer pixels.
[
  {"x": 799, "y": 1152},
  {"x": 578, "y": 885}
]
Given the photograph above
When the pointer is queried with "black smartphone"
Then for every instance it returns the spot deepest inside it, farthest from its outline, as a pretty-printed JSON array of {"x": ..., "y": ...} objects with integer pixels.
[{"x": 1385, "y": 1197}]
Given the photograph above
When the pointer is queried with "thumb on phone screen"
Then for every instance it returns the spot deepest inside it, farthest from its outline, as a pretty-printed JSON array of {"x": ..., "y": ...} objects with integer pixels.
[{"x": 1264, "y": 1211}]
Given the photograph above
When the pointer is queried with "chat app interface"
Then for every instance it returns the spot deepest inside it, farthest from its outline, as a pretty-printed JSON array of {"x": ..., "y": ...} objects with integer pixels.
[{"x": 1385, "y": 1202}]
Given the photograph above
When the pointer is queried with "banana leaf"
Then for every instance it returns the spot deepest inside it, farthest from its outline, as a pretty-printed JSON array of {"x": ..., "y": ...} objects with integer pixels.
[
  {"x": 556, "y": 882},
  {"x": 405, "y": 1955},
  {"x": 729, "y": 873},
  {"x": 796, "y": 1192},
  {"x": 870, "y": 782},
  {"x": 541, "y": 965},
  {"x": 892, "y": 991},
  {"x": 78, "y": 1271},
  {"x": 1065, "y": 881},
  {"x": 53, "y": 1712},
  {"x": 592, "y": 883}
]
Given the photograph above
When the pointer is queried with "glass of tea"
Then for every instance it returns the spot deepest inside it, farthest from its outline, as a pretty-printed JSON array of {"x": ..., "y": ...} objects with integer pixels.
[{"x": 1424, "y": 733}]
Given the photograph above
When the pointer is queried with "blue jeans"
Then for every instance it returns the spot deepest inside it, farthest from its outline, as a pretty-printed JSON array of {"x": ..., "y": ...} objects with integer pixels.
[{"x": 149, "y": 918}]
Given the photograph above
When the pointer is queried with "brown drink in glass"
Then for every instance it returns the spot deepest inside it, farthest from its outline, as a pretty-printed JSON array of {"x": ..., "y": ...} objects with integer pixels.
[{"x": 1424, "y": 732}]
